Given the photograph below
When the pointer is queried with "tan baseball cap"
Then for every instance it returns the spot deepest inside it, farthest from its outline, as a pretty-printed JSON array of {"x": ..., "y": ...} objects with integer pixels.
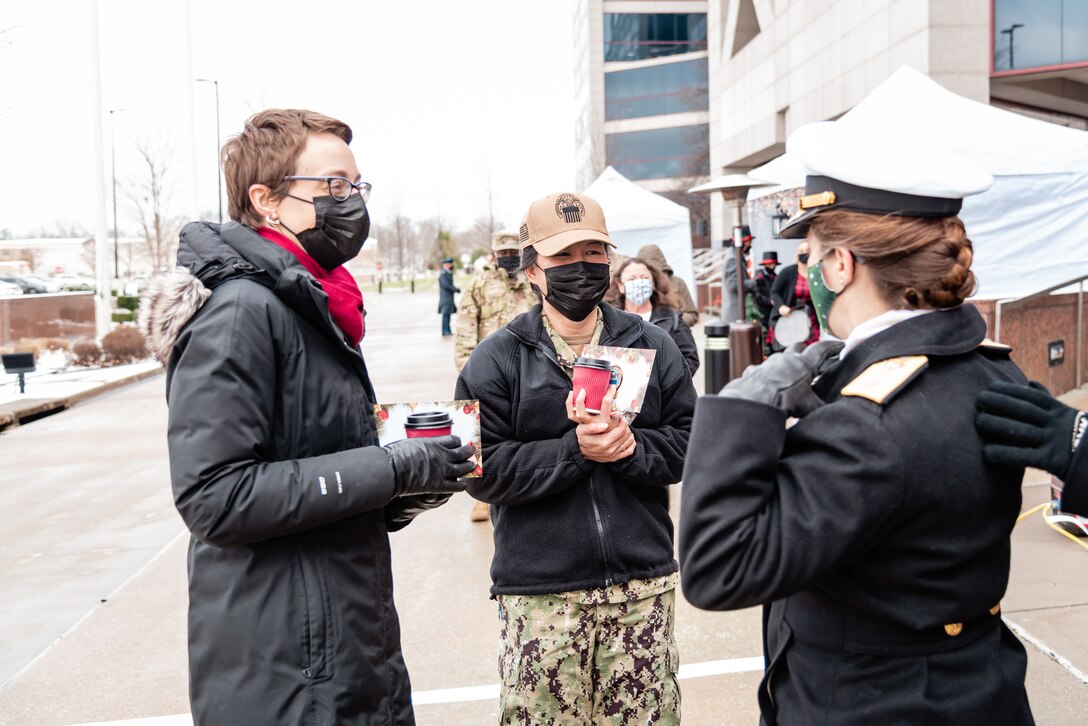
[
  {"x": 505, "y": 239},
  {"x": 559, "y": 220}
]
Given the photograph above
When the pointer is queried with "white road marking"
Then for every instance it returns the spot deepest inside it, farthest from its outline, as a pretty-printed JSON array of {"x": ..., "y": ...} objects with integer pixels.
[
  {"x": 1047, "y": 650},
  {"x": 479, "y": 693}
]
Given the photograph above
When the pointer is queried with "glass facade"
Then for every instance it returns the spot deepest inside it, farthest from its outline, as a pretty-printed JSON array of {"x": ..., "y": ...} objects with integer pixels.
[
  {"x": 682, "y": 151},
  {"x": 1034, "y": 33},
  {"x": 656, "y": 90},
  {"x": 638, "y": 36}
]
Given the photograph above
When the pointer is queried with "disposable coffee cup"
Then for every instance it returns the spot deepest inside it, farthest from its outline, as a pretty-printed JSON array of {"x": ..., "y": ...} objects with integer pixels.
[
  {"x": 593, "y": 375},
  {"x": 426, "y": 425}
]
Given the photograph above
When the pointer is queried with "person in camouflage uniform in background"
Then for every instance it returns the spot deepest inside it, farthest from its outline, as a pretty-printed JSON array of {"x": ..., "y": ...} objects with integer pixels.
[{"x": 497, "y": 295}]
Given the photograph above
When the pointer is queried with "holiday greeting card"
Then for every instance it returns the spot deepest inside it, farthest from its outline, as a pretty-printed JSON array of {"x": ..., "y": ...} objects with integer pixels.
[
  {"x": 398, "y": 421},
  {"x": 631, "y": 369}
]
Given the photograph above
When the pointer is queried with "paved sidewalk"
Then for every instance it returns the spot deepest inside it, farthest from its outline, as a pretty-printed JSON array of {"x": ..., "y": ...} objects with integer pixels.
[{"x": 92, "y": 561}]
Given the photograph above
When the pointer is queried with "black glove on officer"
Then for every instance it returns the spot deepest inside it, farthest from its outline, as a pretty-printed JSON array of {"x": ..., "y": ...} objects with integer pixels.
[
  {"x": 785, "y": 379},
  {"x": 1026, "y": 426},
  {"x": 427, "y": 466}
]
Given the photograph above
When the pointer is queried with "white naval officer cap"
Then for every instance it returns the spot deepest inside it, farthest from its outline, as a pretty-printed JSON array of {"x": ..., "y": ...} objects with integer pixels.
[{"x": 847, "y": 168}]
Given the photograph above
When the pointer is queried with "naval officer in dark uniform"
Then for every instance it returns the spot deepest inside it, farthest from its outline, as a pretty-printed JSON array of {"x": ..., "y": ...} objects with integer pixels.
[{"x": 872, "y": 530}]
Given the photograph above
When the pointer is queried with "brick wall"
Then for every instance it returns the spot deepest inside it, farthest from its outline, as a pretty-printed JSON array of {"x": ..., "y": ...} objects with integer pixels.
[
  {"x": 62, "y": 315},
  {"x": 1030, "y": 327}
]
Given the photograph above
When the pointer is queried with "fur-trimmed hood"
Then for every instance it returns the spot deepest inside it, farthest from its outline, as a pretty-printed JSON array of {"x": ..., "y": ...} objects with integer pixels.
[{"x": 210, "y": 254}]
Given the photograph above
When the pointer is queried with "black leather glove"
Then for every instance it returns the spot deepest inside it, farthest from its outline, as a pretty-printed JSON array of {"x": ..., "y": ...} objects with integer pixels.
[
  {"x": 428, "y": 466},
  {"x": 1026, "y": 426},
  {"x": 400, "y": 512},
  {"x": 784, "y": 380}
]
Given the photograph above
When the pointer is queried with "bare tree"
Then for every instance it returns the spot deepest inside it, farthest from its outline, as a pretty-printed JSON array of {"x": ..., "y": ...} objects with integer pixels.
[{"x": 150, "y": 197}]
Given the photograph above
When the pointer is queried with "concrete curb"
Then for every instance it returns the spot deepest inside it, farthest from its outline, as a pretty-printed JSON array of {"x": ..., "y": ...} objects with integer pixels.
[{"x": 15, "y": 413}]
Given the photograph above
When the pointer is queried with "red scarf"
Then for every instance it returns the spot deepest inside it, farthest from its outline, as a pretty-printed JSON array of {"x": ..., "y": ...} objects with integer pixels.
[{"x": 345, "y": 298}]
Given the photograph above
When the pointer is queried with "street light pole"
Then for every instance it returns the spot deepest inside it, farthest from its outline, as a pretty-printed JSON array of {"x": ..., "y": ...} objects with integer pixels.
[
  {"x": 113, "y": 165},
  {"x": 1010, "y": 31},
  {"x": 218, "y": 145}
]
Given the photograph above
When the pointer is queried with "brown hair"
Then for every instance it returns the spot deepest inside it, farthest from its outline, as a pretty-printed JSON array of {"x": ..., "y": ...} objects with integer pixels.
[
  {"x": 660, "y": 296},
  {"x": 917, "y": 262},
  {"x": 266, "y": 151}
]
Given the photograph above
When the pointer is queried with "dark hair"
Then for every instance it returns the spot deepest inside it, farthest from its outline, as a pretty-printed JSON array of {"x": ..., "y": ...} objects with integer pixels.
[
  {"x": 266, "y": 151},
  {"x": 917, "y": 262},
  {"x": 660, "y": 296}
]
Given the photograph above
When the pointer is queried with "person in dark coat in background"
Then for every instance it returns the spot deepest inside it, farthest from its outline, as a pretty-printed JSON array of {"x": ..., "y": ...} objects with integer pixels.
[
  {"x": 678, "y": 289},
  {"x": 446, "y": 291},
  {"x": 762, "y": 281},
  {"x": 790, "y": 296},
  {"x": 643, "y": 290},
  {"x": 730, "y": 313},
  {"x": 849, "y": 525},
  {"x": 1026, "y": 426},
  {"x": 274, "y": 461}
]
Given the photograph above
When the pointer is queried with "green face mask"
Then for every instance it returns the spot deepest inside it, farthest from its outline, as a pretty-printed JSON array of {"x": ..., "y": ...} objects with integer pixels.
[{"x": 821, "y": 296}]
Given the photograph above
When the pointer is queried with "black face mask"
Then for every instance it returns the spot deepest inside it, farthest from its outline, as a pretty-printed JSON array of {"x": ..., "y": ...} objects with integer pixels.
[
  {"x": 509, "y": 263},
  {"x": 340, "y": 231},
  {"x": 803, "y": 258},
  {"x": 576, "y": 289}
]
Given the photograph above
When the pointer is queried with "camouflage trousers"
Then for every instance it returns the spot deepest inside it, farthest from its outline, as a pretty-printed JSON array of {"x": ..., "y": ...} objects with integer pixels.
[{"x": 574, "y": 659}]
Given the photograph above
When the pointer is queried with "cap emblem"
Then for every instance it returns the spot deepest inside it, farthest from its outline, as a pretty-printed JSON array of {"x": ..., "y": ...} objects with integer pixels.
[
  {"x": 569, "y": 208},
  {"x": 811, "y": 201},
  {"x": 523, "y": 233}
]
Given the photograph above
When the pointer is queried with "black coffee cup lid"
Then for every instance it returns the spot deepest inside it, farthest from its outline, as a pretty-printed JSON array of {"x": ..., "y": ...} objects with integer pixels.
[
  {"x": 428, "y": 420},
  {"x": 593, "y": 363}
]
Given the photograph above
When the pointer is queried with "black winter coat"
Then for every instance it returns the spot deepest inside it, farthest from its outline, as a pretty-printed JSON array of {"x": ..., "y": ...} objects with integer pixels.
[
  {"x": 672, "y": 322},
  {"x": 446, "y": 290},
  {"x": 562, "y": 522},
  {"x": 1075, "y": 490},
  {"x": 874, "y": 528},
  {"x": 276, "y": 473}
]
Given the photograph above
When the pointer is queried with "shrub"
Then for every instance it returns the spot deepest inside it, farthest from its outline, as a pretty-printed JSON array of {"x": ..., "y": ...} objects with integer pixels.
[
  {"x": 53, "y": 344},
  {"x": 86, "y": 353},
  {"x": 28, "y": 345},
  {"x": 123, "y": 316},
  {"x": 128, "y": 302},
  {"x": 123, "y": 345}
]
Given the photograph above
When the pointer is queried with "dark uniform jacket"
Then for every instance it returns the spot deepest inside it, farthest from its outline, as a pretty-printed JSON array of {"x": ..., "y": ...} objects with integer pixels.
[
  {"x": 276, "y": 473},
  {"x": 875, "y": 529},
  {"x": 562, "y": 522},
  {"x": 446, "y": 290}
]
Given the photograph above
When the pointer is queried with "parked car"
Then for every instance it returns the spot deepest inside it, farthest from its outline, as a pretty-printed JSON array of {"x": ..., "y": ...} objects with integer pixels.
[
  {"x": 68, "y": 281},
  {"x": 9, "y": 289},
  {"x": 49, "y": 285},
  {"x": 29, "y": 286}
]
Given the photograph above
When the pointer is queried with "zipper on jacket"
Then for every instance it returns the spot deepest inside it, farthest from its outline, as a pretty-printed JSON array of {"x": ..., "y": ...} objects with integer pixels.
[{"x": 592, "y": 494}]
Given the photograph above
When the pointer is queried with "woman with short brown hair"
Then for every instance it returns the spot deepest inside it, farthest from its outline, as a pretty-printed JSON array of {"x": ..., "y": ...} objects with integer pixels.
[
  {"x": 643, "y": 289},
  {"x": 274, "y": 460},
  {"x": 872, "y": 530}
]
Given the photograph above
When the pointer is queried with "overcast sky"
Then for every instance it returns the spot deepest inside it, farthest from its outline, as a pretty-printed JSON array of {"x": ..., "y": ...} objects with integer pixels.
[{"x": 440, "y": 96}]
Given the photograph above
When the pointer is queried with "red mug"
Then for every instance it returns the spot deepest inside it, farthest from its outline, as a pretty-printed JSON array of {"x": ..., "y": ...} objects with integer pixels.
[
  {"x": 429, "y": 424},
  {"x": 594, "y": 375}
]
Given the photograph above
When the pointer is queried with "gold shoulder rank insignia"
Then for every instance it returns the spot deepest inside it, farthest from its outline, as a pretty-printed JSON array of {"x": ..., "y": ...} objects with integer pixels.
[{"x": 883, "y": 379}]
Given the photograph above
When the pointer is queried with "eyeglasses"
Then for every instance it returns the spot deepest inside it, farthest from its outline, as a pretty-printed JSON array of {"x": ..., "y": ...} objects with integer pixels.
[{"x": 339, "y": 187}]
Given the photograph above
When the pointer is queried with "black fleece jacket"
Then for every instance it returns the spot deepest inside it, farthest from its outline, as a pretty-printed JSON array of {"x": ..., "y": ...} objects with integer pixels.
[{"x": 562, "y": 522}]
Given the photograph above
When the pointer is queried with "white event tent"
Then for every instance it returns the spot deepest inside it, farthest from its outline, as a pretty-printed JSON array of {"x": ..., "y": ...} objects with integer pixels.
[
  {"x": 1030, "y": 230},
  {"x": 637, "y": 217}
]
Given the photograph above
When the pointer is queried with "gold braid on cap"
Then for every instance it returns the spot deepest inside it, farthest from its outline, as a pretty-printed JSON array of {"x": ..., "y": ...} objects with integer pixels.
[{"x": 811, "y": 201}]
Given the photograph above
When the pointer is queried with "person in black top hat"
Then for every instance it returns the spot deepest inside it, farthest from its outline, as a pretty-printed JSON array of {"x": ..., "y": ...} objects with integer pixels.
[
  {"x": 730, "y": 312},
  {"x": 762, "y": 281},
  {"x": 849, "y": 526},
  {"x": 446, "y": 290}
]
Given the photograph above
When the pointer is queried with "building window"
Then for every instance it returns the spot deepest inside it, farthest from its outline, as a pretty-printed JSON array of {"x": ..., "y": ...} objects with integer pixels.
[
  {"x": 656, "y": 90},
  {"x": 1039, "y": 33},
  {"x": 637, "y": 36},
  {"x": 682, "y": 151}
]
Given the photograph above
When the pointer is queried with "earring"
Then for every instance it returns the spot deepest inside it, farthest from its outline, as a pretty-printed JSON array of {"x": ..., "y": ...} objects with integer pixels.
[{"x": 274, "y": 221}]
